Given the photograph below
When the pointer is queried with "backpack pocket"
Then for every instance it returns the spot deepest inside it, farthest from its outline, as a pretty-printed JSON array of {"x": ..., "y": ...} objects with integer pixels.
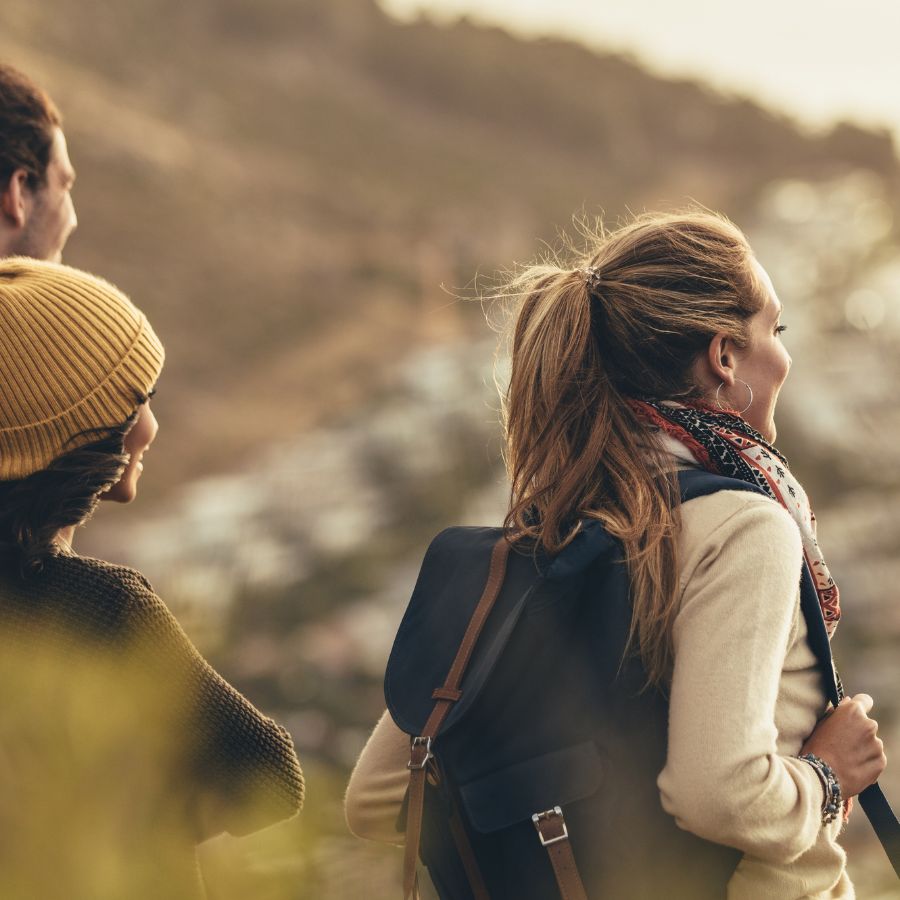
[{"x": 514, "y": 794}]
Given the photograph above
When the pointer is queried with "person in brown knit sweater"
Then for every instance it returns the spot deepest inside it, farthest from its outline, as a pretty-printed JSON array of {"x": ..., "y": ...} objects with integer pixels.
[
  {"x": 653, "y": 356},
  {"x": 120, "y": 746}
]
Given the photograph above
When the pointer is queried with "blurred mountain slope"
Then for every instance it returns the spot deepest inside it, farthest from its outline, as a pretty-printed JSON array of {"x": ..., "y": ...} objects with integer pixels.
[{"x": 285, "y": 185}]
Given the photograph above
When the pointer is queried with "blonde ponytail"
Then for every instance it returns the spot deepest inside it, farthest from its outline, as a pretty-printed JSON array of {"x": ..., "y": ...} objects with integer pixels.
[{"x": 626, "y": 320}]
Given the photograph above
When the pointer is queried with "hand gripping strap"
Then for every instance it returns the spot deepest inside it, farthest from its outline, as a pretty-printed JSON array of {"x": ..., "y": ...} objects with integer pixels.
[{"x": 875, "y": 805}]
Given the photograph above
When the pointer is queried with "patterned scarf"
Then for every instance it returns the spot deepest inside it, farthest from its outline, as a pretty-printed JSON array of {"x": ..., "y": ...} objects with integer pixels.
[{"x": 724, "y": 443}]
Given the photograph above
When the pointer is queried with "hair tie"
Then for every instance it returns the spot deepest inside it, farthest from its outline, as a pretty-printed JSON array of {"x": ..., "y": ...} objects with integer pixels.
[{"x": 591, "y": 276}]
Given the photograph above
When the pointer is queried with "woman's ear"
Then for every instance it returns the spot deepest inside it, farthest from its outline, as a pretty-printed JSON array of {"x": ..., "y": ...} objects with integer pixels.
[{"x": 720, "y": 357}]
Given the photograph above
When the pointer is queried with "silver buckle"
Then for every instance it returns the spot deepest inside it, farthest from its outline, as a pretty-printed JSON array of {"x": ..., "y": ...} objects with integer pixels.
[
  {"x": 418, "y": 742},
  {"x": 537, "y": 818}
]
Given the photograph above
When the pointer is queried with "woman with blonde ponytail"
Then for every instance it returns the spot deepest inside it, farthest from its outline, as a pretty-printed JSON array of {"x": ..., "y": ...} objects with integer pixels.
[{"x": 659, "y": 352}]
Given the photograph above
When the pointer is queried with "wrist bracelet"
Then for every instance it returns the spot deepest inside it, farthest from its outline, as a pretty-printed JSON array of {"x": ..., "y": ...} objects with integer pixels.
[{"x": 834, "y": 803}]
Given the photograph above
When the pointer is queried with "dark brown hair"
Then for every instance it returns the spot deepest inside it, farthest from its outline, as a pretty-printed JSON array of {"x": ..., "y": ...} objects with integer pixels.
[
  {"x": 660, "y": 288},
  {"x": 35, "y": 508},
  {"x": 28, "y": 118}
]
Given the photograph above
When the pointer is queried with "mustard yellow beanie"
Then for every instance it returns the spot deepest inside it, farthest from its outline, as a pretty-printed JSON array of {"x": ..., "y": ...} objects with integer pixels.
[{"x": 75, "y": 355}]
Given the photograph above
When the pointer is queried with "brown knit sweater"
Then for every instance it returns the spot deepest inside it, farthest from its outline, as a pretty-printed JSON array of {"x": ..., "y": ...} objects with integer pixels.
[{"x": 120, "y": 746}]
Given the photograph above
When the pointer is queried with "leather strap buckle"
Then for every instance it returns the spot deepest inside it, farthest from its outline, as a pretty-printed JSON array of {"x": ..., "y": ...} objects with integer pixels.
[
  {"x": 544, "y": 822},
  {"x": 415, "y": 750}
]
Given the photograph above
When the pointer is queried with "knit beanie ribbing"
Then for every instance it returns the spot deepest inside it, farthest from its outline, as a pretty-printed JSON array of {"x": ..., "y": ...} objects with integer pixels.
[{"x": 76, "y": 357}]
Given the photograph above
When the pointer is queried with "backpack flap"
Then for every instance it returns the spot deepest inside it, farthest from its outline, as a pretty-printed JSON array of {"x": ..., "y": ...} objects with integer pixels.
[
  {"x": 448, "y": 589},
  {"x": 450, "y": 583},
  {"x": 514, "y": 794}
]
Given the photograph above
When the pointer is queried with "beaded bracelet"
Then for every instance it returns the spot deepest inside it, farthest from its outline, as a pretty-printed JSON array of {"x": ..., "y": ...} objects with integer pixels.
[{"x": 834, "y": 804}]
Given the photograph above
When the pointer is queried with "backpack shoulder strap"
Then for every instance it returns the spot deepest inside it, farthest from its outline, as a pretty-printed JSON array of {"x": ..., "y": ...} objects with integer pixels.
[
  {"x": 699, "y": 483},
  {"x": 444, "y": 697}
]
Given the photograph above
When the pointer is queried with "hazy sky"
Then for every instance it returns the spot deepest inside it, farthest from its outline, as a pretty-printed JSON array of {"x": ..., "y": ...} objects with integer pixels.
[{"x": 820, "y": 60}]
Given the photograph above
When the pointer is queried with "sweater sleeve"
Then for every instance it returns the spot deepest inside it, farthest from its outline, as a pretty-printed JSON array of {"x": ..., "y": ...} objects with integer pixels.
[
  {"x": 724, "y": 779},
  {"x": 378, "y": 784},
  {"x": 238, "y": 768}
]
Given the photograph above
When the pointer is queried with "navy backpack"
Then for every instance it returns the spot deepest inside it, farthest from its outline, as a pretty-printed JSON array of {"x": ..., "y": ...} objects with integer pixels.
[{"x": 535, "y": 747}]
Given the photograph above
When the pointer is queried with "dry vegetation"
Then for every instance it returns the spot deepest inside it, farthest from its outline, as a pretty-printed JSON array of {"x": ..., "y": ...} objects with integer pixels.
[{"x": 285, "y": 185}]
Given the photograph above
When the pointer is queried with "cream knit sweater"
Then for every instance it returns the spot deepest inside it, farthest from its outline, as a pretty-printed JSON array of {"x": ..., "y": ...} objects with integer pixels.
[{"x": 746, "y": 693}]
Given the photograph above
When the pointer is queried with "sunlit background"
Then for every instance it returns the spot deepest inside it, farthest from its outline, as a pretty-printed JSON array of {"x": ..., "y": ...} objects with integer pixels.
[{"x": 305, "y": 195}]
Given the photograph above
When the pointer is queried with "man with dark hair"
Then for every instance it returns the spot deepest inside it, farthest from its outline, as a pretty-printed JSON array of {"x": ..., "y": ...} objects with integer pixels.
[{"x": 36, "y": 176}]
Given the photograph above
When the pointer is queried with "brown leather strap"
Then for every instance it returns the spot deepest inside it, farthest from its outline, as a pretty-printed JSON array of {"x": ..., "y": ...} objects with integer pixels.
[
  {"x": 551, "y": 828},
  {"x": 446, "y": 696},
  {"x": 419, "y": 755}
]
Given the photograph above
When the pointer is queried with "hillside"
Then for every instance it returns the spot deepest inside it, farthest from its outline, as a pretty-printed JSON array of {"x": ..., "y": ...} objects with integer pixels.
[{"x": 284, "y": 186}]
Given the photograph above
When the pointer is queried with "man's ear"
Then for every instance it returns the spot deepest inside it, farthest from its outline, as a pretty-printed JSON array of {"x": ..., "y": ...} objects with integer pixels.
[
  {"x": 721, "y": 358},
  {"x": 15, "y": 199}
]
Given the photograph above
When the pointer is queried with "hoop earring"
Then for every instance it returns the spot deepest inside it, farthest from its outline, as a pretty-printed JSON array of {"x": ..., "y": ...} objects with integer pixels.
[{"x": 749, "y": 402}]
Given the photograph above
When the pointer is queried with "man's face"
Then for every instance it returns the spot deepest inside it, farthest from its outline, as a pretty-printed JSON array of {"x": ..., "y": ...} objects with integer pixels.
[{"x": 50, "y": 213}]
